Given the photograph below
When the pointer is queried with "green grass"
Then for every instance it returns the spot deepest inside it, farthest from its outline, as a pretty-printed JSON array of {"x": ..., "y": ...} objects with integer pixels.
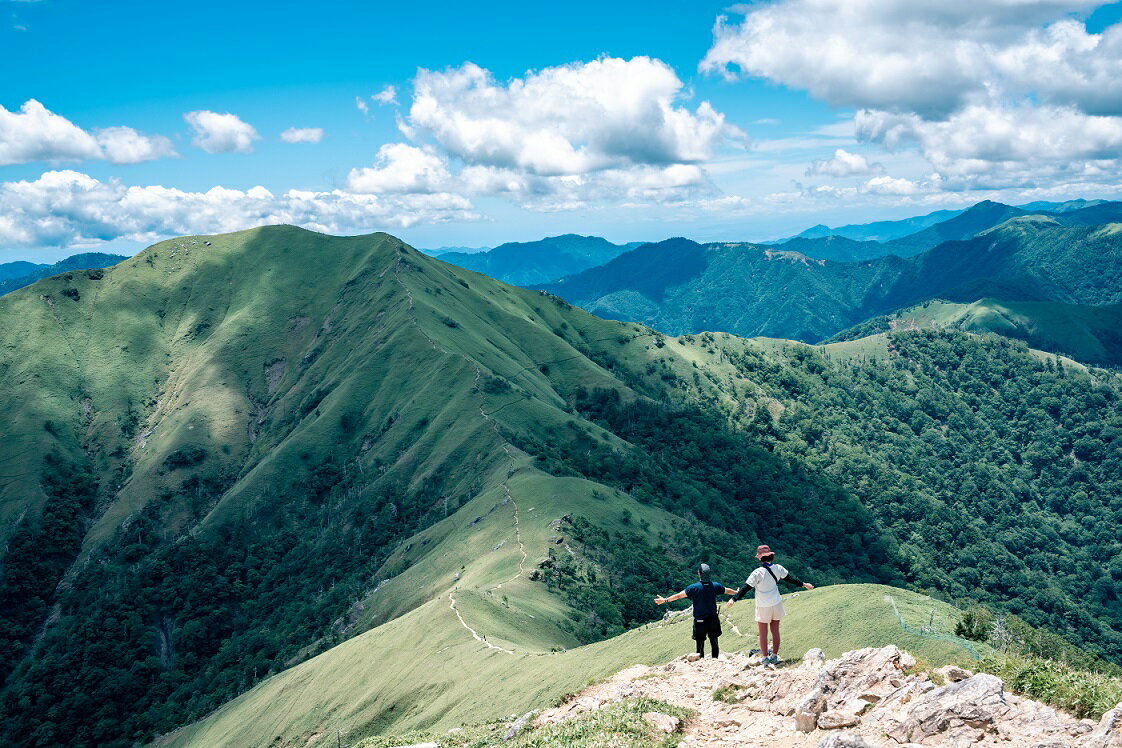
[
  {"x": 1079, "y": 692},
  {"x": 619, "y": 725}
]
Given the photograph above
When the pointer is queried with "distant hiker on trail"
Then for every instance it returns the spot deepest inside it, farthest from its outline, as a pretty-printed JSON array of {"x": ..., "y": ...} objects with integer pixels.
[
  {"x": 769, "y": 605},
  {"x": 706, "y": 616}
]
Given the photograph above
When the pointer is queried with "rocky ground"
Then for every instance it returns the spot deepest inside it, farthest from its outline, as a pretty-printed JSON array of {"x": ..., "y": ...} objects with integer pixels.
[{"x": 866, "y": 698}]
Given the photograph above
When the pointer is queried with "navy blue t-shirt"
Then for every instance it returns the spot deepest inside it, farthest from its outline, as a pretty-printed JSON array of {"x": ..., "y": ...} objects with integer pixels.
[{"x": 704, "y": 598}]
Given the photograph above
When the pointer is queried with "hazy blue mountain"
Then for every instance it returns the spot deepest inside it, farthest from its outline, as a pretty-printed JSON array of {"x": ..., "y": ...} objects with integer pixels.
[
  {"x": 84, "y": 261},
  {"x": 460, "y": 250},
  {"x": 1062, "y": 207},
  {"x": 527, "y": 263},
  {"x": 878, "y": 231},
  {"x": 18, "y": 269}
]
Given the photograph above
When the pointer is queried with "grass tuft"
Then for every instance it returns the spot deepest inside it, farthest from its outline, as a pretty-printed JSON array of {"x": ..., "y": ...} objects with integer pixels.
[{"x": 1082, "y": 693}]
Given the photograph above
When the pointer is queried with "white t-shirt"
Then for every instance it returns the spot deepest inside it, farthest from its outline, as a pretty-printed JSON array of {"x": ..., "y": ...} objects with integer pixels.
[{"x": 767, "y": 591}]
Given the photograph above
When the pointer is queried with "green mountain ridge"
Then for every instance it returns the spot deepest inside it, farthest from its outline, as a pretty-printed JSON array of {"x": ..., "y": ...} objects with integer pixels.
[
  {"x": 1085, "y": 333},
  {"x": 226, "y": 468}
]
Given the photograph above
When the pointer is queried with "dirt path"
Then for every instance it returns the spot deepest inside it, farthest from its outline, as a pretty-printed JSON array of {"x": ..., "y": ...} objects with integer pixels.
[{"x": 475, "y": 634}]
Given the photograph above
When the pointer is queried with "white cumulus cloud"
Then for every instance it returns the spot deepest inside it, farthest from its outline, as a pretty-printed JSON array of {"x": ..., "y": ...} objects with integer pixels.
[
  {"x": 402, "y": 168},
  {"x": 566, "y": 120},
  {"x": 34, "y": 133},
  {"x": 216, "y": 132},
  {"x": 844, "y": 164},
  {"x": 998, "y": 146},
  {"x": 993, "y": 93},
  {"x": 302, "y": 135},
  {"x": 68, "y": 208},
  {"x": 925, "y": 56},
  {"x": 387, "y": 95}
]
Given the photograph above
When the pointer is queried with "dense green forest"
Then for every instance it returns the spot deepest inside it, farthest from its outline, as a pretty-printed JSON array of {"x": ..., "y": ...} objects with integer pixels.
[{"x": 997, "y": 475}]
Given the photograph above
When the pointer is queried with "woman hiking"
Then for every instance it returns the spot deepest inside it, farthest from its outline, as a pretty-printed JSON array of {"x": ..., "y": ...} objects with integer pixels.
[
  {"x": 706, "y": 615},
  {"x": 769, "y": 605}
]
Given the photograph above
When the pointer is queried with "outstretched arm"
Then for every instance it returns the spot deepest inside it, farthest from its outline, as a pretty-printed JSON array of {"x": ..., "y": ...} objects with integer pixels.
[
  {"x": 672, "y": 598},
  {"x": 738, "y": 594},
  {"x": 792, "y": 580}
]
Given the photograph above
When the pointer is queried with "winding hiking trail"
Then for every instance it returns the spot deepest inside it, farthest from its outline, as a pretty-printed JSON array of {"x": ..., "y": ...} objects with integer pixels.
[
  {"x": 517, "y": 524},
  {"x": 475, "y": 634}
]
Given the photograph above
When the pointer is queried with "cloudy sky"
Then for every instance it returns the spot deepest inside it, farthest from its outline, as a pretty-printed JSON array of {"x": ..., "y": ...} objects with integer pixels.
[{"x": 469, "y": 124}]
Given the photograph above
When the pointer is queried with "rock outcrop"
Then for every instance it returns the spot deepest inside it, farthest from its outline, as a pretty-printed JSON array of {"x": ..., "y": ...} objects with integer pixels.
[{"x": 867, "y": 698}]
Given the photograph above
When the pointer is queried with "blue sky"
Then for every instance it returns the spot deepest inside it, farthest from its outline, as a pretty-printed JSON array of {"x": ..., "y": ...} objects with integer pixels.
[{"x": 789, "y": 113}]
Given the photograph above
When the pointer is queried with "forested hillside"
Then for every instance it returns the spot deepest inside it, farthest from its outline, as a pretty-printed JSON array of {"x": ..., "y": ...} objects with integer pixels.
[{"x": 1090, "y": 334}]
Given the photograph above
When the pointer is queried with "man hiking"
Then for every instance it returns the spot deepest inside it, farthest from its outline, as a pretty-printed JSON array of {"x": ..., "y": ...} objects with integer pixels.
[
  {"x": 706, "y": 616},
  {"x": 769, "y": 605}
]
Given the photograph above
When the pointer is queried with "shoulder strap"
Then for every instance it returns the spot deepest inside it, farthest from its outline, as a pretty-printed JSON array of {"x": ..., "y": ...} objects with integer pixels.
[{"x": 772, "y": 575}]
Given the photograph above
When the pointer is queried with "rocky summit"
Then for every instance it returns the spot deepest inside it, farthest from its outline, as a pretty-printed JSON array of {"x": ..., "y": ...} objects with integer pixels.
[{"x": 866, "y": 698}]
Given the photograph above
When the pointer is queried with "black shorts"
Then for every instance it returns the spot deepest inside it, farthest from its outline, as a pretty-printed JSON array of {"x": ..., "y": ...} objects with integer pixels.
[{"x": 706, "y": 627}]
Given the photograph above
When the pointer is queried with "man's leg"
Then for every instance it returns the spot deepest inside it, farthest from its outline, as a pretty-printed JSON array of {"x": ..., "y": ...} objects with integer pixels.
[
  {"x": 763, "y": 638},
  {"x": 700, "y": 647},
  {"x": 714, "y": 645},
  {"x": 775, "y": 637}
]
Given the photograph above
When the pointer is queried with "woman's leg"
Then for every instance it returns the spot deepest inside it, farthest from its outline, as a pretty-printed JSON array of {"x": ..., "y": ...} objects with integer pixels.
[
  {"x": 775, "y": 638},
  {"x": 763, "y": 638}
]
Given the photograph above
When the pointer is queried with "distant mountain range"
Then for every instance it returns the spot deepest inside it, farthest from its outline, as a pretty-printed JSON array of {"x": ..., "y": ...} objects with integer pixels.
[
  {"x": 527, "y": 263},
  {"x": 848, "y": 246},
  {"x": 15, "y": 275},
  {"x": 877, "y": 231},
  {"x": 680, "y": 286}
]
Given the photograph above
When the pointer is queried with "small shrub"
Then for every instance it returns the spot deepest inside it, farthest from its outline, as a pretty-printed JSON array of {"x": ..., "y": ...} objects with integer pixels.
[
  {"x": 71, "y": 293},
  {"x": 186, "y": 456},
  {"x": 496, "y": 386},
  {"x": 449, "y": 322},
  {"x": 729, "y": 694}
]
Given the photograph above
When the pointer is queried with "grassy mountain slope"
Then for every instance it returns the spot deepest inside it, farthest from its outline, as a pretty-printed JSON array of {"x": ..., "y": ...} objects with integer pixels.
[
  {"x": 527, "y": 263},
  {"x": 228, "y": 468},
  {"x": 424, "y": 671},
  {"x": 1085, "y": 333},
  {"x": 9, "y": 281},
  {"x": 683, "y": 287}
]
